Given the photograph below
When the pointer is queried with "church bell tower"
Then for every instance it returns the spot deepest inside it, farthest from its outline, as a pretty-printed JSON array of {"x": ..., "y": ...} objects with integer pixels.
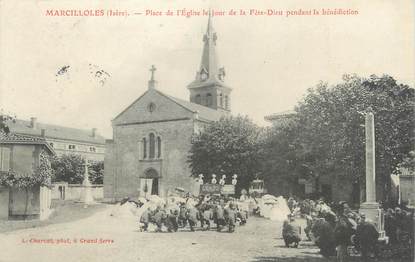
[{"x": 209, "y": 89}]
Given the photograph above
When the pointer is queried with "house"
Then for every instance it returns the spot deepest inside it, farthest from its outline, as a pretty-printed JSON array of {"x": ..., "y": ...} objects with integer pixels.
[
  {"x": 24, "y": 172},
  {"x": 64, "y": 140}
]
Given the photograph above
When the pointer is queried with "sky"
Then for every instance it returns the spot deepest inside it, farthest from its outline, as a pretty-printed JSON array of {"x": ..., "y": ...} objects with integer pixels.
[{"x": 270, "y": 61}]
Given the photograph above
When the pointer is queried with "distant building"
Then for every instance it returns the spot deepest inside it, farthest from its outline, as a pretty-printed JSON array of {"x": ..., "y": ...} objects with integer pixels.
[
  {"x": 64, "y": 140},
  {"x": 281, "y": 118},
  {"x": 23, "y": 155},
  {"x": 403, "y": 186}
]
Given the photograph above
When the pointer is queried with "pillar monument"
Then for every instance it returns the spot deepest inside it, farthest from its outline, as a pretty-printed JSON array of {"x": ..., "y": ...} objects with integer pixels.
[
  {"x": 370, "y": 207},
  {"x": 86, "y": 190}
]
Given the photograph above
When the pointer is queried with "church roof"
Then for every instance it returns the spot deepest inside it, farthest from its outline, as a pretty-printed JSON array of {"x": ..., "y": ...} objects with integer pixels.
[
  {"x": 204, "y": 113},
  {"x": 24, "y": 127},
  {"x": 12, "y": 138}
]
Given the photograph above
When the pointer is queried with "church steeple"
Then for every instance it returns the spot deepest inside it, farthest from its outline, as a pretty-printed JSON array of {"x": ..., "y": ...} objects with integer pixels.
[
  {"x": 209, "y": 62},
  {"x": 209, "y": 88}
]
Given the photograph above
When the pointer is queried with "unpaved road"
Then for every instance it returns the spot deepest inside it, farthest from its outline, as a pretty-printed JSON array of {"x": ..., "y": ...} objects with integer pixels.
[{"x": 117, "y": 239}]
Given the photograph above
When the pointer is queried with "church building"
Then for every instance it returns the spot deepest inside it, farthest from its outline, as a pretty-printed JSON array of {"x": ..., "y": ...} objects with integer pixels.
[{"x": 152, "y": 137}]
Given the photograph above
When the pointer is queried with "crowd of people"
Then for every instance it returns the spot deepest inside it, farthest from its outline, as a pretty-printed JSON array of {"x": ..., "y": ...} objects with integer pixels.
[
  {"x": 204, "y": 213},
  {"x": 399, "y": 225},
  {"x": 336, "y": 228}
]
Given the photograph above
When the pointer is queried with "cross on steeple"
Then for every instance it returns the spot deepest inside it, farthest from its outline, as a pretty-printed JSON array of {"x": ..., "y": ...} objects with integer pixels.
[
  {"x": 152, "y": 82},
  {"x": 152, "y": 70}
]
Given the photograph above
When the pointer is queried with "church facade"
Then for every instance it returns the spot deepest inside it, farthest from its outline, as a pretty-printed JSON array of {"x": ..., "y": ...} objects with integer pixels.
[{"x": 152, "y": 137}]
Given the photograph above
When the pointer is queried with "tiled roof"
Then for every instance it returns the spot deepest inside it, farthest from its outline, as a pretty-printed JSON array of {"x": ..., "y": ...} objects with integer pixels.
[
  {"x": 205, "y": 113},
  {"x": 55, "y": 132},
  {"x": 12, "y": 138},
  {"x": 280, "y": 114}
]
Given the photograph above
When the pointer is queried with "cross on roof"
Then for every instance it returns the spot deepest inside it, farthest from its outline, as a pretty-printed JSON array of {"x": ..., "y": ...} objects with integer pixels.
[{"x": 152, "y": 70}]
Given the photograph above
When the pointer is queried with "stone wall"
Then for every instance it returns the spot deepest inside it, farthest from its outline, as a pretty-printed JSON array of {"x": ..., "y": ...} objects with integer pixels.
[{"x": 73, "y": 191}]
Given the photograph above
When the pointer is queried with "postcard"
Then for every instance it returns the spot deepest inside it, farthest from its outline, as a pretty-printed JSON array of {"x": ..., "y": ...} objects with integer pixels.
[{"x": 207, "y": 130}]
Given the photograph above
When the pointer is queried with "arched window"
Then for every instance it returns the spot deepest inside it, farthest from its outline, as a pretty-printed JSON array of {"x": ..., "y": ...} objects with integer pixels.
[
  {"x": 144, "y": 147},
  {"x": 226, "y": 102},
  {"x": 198, "y": 99},
  {"x": 209, "y": 99},
  {"x": 152, "y": 142},
  {"x": 158, "y": 147},
  {"x": 220, "y": 100}
]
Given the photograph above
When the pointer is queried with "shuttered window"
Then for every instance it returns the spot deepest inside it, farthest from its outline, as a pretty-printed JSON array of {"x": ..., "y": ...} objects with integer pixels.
[{"x": 4, "y": 158}]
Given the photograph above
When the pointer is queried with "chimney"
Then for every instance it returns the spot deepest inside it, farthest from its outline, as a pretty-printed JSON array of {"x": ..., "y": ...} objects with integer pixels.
[
  {"x": 43, "y": 132},
  {"x": 33, "y": 123},
  {"x": 94, "y": 132}
]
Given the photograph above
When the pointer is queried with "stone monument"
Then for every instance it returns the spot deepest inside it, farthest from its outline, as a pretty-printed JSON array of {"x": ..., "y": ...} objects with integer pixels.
[
  {"x": 370, "y": 207},
  {"x": 86, "y": 191}
]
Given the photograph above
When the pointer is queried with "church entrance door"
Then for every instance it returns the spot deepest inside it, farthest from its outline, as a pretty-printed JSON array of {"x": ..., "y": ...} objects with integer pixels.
[
  {"x": 149, "y": 183},
  {"x": 155, "y": 186}
]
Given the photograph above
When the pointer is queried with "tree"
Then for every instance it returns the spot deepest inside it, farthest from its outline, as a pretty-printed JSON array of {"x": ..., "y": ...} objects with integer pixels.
[
  {"x": 71, "y": 169},
  {"x": 96, "y": 172},
  {"x": 68, "y": 168},
  {"x": 330, "y": 125},
  {"x": 284, "y": 160},
  {"x": 229, "y": 146},
  {"x": 4, "y": 120}
]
